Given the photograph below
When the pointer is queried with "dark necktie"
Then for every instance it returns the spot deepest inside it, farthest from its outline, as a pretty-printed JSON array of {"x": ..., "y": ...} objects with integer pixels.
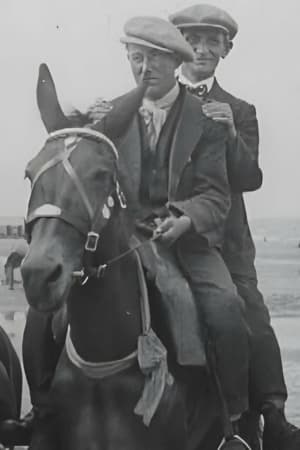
[{"x": 199, "y": 91}]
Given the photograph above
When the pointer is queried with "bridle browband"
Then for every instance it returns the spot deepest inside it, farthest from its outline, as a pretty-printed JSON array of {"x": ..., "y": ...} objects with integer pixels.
[{"x": 84, "y": 133}]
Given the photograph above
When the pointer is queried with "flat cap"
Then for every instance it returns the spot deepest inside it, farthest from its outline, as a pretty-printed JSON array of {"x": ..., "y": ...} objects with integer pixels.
[
  {"x": 157, "y": 33},
  {"x": 205, "y": 16}
]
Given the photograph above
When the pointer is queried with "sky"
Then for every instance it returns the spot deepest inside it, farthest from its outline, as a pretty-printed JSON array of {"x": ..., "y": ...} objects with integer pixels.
[{"x": 79, "y": 40}]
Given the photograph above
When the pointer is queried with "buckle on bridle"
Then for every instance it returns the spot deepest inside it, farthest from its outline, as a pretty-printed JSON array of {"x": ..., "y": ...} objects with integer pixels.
[
  {"x": 92, "y": 241},
  {"x": 80, "y": 276},
  {"x": 101, "y": 270}
]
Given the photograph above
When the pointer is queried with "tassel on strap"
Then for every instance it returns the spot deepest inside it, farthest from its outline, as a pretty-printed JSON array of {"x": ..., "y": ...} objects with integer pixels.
[{"x": 152, "y": 358}]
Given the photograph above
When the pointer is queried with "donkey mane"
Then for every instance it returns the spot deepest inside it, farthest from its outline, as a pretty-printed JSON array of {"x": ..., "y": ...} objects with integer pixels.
[{"x": 78, "y": 118}]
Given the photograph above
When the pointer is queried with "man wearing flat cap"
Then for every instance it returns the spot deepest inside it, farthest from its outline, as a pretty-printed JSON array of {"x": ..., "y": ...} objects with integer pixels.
[
  {"x": 210, "y": 31},
  {"x": 177, "y": 161}
]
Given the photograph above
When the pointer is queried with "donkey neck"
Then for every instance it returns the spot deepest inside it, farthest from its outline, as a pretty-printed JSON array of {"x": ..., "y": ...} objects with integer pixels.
[{"x": 104, "y": 314}]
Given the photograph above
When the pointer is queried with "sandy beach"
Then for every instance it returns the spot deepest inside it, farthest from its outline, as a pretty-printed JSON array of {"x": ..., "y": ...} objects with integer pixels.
[
  {"x": 288, "y": 331},
  {"x": 278, "y": 267}
]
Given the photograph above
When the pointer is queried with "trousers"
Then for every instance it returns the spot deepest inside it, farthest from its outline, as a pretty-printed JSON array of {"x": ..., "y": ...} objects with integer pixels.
[
  {"x": 221, "y": 313},
  {"x": 266, "y": 379}
]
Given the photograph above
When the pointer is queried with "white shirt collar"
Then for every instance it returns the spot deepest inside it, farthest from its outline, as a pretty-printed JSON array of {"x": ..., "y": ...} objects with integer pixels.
[
  {"x": 184, "y": 80},
  {"x": 167, "y": 101}
]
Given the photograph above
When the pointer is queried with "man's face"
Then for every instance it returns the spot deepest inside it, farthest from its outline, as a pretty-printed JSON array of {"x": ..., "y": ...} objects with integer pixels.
[
  {"x": 153, "y": 67},
  {"x": 209, "y": 46}
]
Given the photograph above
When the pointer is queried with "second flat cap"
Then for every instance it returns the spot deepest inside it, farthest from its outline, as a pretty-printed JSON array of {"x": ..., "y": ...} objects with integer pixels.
[{"x": 205, "y": 16}]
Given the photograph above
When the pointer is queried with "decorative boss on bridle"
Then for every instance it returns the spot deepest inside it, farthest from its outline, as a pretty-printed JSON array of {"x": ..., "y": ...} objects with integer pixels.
[{"x": 71, "y": 138}]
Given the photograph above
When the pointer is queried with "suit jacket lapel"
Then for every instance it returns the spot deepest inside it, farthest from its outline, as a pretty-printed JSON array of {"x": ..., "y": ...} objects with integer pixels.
[
  {"x": 167, "y": 133},
  {"x": 130, "y": 158},
  {"x": 187, "y": 133}
]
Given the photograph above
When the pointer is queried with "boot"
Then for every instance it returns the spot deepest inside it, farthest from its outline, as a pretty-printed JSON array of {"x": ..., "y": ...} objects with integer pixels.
[
  {"x": 18, "y": 432},
  {"x": 234, "y": 443},
  {"x": 250, "y": 429},
  {"x": 279, "y": 434}
]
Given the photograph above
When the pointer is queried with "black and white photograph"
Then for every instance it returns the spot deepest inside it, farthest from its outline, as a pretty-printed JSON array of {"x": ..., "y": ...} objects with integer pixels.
[{"x": 149, "y": 225}]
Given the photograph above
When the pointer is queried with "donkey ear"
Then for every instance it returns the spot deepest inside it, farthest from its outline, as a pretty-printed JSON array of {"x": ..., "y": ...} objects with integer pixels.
[{"x": 51, "y": 112}]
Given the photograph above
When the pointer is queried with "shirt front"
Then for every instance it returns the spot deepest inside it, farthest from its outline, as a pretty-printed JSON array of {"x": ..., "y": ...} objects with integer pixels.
[
  {"x": 208, "y": 82},
  {"x": 155, "y": 113}
]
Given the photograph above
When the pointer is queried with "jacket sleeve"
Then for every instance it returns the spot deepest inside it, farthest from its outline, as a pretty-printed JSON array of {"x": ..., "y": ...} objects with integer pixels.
[
  {"x": 209, "y": 201},
  {"x": 242, "y": 154}
]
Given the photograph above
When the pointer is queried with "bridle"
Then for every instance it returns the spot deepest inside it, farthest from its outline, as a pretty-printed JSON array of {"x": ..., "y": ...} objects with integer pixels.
[{"x": 71, "y": 138}]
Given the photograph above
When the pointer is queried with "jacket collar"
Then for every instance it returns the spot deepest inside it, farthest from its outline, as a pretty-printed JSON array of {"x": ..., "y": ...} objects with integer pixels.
[{"x": 186, "y": 82}]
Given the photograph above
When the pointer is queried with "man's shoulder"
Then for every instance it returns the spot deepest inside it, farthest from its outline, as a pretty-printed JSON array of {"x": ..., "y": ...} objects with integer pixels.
[{"x": 220, "y": 94}]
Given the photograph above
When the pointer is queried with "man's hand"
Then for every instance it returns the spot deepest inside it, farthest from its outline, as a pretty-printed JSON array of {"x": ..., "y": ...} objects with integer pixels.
[
  {"x": 221, "y": 112},
  {"x": 172, "y": 228},
  {"x": 99, "y": 110}
]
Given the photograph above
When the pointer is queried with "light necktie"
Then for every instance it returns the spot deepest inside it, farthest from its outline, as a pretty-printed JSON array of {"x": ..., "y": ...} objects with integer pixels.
[
  {"x": 154, "y": 119},
  {"x": 155, "y": 114}
]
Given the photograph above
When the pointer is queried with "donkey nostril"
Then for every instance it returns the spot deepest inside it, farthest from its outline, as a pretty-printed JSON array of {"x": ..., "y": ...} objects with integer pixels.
[{"x": 56, "y": 273}]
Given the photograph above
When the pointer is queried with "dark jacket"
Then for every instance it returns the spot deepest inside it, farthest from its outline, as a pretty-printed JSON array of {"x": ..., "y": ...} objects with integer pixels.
[
  {"x": 244, "y": 175},
  {"x": 197, "y": 177}
]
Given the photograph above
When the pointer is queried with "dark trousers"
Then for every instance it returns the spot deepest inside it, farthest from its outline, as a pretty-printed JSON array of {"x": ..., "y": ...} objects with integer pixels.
[
  {"x": 220, "y": 310},
  {"x": 266, "y": 372}
]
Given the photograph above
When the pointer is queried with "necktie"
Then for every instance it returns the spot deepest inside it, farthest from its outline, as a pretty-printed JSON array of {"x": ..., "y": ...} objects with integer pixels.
[
  {"x": 199, "y": 91},
  {"x": 154, "y": 119}
]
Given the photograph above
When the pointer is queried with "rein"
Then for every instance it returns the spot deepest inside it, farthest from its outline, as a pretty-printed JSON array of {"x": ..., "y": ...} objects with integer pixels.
[
  {"x": 150, "y": 355},
  {"x": 100, "y": 270},
  {"x": 101, "y": 370}
]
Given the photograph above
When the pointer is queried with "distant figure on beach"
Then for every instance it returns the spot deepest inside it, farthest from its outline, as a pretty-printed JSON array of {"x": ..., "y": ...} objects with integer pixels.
[
  {"x": 14, "y": 260},
  {"x": 265, "y": 239}
]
